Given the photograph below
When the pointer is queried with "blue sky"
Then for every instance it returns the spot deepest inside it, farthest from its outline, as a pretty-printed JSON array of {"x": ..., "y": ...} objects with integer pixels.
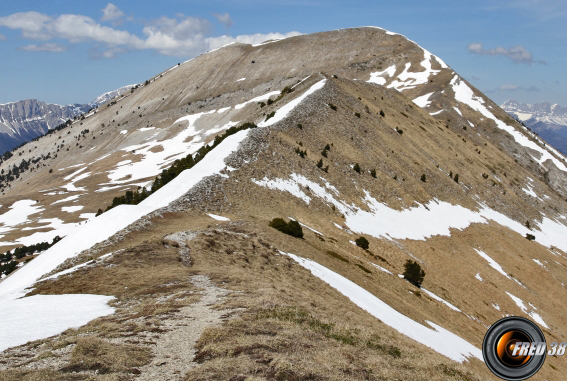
[{"x": 65, "y": 51}]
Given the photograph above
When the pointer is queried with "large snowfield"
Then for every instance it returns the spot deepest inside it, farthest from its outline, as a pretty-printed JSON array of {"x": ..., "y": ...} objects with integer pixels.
[{"x": 41, "y": 316}]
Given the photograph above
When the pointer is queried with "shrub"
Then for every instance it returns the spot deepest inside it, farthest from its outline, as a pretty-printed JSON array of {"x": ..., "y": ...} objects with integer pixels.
[
  {"x": 362, "y": 242},
  {"x": 414, "y": 273},
  {"x": 530, "y": 237},
  {"x": 300, "y": 126},
  {"x": 326, "y": 169},
  {"x": 399, "y": 131},
  {"x": 382, "y": 113},
  {"x": 456, "y": 178},
  {"x": 356, "y": 168},
  {"x": 292, "y": 228},
  {"x": 333, "y": 107},
  {"x": 357, "y": 114},
  {"x": 324, "y": 153},
  {"x": 327, "y": 147},
  {"x": 373, "y": 173},
  {"x": 270, "y": 101},
  {"x": 423, "y": 178},
  {"x": 270, "y": 115},
  {"x": 320, "y": 163}
]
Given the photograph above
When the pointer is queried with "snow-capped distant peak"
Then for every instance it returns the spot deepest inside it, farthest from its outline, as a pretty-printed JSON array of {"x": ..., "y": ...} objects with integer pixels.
[{"x": 102, "y": 99}]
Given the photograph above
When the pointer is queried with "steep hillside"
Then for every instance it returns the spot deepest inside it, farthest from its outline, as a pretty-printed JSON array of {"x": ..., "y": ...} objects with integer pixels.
[
  {"x": 356, "y": 132},
  {"x": 25, "y": 120}
]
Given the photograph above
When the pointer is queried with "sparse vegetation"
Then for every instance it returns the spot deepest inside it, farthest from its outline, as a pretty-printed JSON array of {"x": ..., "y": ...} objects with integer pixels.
[
  {"x": 301, "y": 152},
  {"x": 292, "y": 228},
  {"x": 414, "y": 273},
  {"x": 135, "y": 197},
  {"x": 270, "y": 115},
  {"x": 337, "y": 256}
]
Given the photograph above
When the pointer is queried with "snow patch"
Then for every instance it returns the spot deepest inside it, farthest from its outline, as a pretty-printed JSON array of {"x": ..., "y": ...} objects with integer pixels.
[
  {"x": 282, "y": 112},
  {"x": 439, "y": 299},
  {"x": 438, "y": 338},
  {"x": 423, "y": 101},
  {"x": 218, "y": 218},
  {"x": 520, "y": 303},
  {"x": 382, "y": 269},
  {"x": 41, "y": 316},
  {"x": 492, "y": 263}
]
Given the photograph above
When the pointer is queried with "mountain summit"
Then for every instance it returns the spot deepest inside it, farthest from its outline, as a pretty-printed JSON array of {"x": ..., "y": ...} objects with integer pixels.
[{"x": 259, "y": 209}]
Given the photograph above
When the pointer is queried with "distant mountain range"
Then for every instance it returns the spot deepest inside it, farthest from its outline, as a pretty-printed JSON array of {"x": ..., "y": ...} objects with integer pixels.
[
  {"x": 25, "y": 120},
  {"x": 547, "y": 120}
]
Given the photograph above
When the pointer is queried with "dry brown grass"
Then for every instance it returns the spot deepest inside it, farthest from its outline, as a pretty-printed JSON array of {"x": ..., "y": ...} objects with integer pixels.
[{"x": 91, "y": 353}]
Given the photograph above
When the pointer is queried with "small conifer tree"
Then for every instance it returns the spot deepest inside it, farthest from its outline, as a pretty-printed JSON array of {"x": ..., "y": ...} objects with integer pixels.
[
  {"x": 356, "y": 168},
  {"x": 362, "y": 242},
  {"x": 414, "y": 273}
]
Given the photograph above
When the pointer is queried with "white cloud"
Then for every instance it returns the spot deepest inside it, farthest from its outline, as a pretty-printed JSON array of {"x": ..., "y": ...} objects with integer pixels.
[
  {"x": 224, "y": 19},
  {"x": 111, "y": 13},
  {"x": 32, "y": 24},
  {"x": 217, "y": 42},
  {"x": 48, "y": 47},
  {"x": 517, "y": 54},
  {"x": 180, "y": 36}
]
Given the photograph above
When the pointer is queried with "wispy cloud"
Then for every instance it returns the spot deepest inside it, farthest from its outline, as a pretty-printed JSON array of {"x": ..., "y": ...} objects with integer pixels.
[
  {"x": 48, "y": 47},
  {"x": 542, "y": 9},
  {"x": 224, "y": 19},
  {"x": 517, "y": 54},
  {"x": 509, "y": 87},
  {"x": 178, "y": 36}
]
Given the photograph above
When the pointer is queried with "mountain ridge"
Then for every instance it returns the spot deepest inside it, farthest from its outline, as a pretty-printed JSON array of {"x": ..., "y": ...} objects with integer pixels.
[
  {"x": 25, "y": 120},
  {"x": 389, "y": 145}
]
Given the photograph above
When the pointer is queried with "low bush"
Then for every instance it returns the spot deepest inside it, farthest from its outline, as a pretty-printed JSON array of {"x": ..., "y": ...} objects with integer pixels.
[
  {"x": 414, "y": 273},
  {"x": 292, "y": 228},
  {"x": 362, "y": 242}
]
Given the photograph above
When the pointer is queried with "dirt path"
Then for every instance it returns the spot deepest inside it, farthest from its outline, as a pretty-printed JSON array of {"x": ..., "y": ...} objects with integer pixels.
[{"x": 174, "y": 350}]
